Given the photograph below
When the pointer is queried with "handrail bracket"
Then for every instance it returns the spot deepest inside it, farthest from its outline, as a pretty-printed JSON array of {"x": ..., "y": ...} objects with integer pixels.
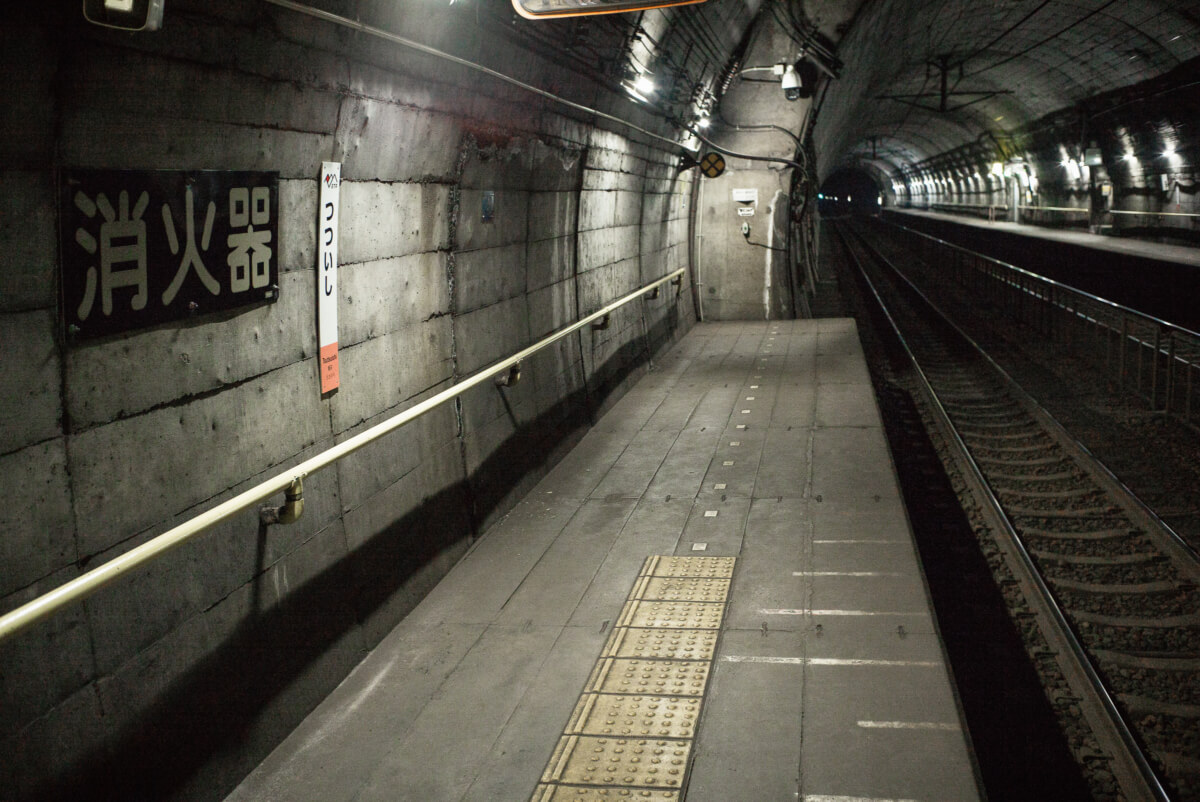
[
  {"x": 292, "y": 509},
  {"x": 509, "y": 377}
]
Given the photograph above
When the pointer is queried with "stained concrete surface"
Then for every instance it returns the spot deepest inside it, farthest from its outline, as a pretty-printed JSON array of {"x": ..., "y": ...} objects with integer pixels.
[{"x": 829, "y": 678}]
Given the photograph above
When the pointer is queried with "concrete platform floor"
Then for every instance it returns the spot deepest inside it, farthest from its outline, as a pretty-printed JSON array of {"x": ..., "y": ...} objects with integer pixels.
[{"x": 829, "y": 683}]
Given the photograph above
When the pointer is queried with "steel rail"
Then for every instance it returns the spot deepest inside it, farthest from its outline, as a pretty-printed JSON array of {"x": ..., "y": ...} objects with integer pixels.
[
  {"x": 1081, "y": 663},
  {"x": 88, "y": 583}
]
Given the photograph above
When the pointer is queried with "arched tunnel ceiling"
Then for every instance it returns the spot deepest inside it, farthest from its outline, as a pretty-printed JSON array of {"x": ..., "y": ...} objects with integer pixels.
[
  {"x": 1006, "y": 63},
  {"x": 1002, "y": 65}
]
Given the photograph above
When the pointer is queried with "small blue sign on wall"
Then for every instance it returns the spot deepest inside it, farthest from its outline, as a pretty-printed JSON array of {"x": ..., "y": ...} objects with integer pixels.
[
  {"x": 143, "y": 247},
  {"x": 487, "y": 204}
]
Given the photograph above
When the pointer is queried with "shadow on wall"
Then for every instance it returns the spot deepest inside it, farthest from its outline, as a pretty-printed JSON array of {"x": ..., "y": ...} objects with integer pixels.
[{"x": 199, "y": 739}]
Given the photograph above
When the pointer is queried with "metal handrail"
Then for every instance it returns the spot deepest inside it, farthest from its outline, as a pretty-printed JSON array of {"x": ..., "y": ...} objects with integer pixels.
[
  {"x": 931, "y": 204},
  {"x": 1081, "y": 209},
  {"x": 1152, "y": 214},
  {"x": 1067, "y": 288},
  {"x": 1076, "y": 209},
  {"x": 88, "y": 583},
  {"x": 969, "y": 205},
  {"x": 1170, "y": 381},
  {"x": 1086, "y": 210}
]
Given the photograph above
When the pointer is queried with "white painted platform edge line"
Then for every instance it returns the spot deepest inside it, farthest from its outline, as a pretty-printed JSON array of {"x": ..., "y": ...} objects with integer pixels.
[
  {"x": 860, "y": 541},
  {"x": 827, "y": 661},
  {"x": 908, "y": 725},
  {"x": 837, "y": 612},
  {"x": 828, "y": 798},
  {"x": 846, "y": 573}
]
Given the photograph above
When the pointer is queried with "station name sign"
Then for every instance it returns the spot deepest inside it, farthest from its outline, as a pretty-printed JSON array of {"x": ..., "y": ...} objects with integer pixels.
[{"x": 143, "y": 247}]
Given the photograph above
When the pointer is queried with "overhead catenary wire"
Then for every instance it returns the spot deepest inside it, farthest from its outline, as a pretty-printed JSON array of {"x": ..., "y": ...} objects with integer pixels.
[
  {"x": 1003, "y": 34},
  {"x": 1107, "y": 44},
  {"x": 1041, "y": 42}
]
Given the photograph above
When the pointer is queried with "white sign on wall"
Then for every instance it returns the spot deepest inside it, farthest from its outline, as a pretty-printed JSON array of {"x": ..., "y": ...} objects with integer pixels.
[
  {"x": 327, "y": 294},
  {"x": 745, "y": 211},
  {"x": 745, "y": 195}
]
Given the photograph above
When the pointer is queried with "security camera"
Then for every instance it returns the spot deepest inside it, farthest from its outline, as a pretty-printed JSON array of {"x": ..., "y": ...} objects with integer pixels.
[{"x": 792, "y": 88}]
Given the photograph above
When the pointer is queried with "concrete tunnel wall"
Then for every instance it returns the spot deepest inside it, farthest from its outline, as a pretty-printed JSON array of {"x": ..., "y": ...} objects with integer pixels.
[
  {"x": 744, "y": 277},
  {"x": 750, "y": 278},
  {"x": 176, "y": 680}
]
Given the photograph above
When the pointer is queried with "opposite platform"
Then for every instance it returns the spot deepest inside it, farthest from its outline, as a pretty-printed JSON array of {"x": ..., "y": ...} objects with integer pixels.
[
  {"x": 759, "y": 441},
  {"x": 1126, "y": 246}
]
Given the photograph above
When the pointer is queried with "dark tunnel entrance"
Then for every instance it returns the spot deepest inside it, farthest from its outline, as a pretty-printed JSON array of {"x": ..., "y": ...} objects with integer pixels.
[{"x": 849, "y": 191}]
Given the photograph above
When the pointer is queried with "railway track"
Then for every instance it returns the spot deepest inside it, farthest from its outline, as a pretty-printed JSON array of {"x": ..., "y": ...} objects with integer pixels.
[{"x": 1112, "y": 590}]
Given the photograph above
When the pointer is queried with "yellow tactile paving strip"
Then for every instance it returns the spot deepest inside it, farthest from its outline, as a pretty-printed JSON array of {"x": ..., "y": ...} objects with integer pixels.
[
  {"x": 662, "y": 644},
  {"x": 614, "y": 715},
  {"x": 673, "y": 614},
  {"x": 700, "y": 589},
  {"x": 674, "y": 677},
  {"x": 630, "y": 736}
]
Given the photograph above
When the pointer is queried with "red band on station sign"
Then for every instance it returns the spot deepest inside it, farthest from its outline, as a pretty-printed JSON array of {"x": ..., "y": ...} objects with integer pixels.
[
  {"x": 329, "y": 367},
  {"x": 327, "y": 294}
]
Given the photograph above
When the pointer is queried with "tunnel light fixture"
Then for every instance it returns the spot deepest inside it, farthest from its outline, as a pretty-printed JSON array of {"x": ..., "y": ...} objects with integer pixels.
[
  {"x": 128, "y": 15},
  {"x": 1169, "y": 153},
  {"x": 703, "y": 122},
  {"x": 550, "y": 9},
  {"x": 644, "y": 85},
  {"x": 635, "y": 93}
]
